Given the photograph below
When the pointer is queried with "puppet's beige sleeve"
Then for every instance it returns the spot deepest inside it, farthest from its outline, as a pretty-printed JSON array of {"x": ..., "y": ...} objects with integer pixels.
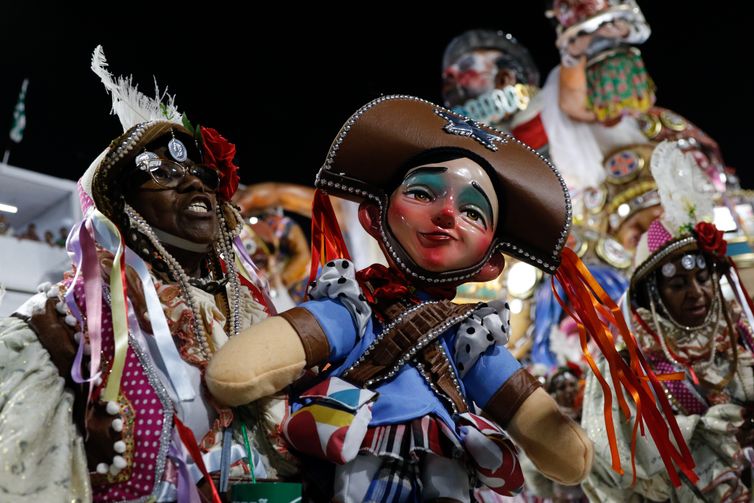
[{"x": 41, "y": 452}]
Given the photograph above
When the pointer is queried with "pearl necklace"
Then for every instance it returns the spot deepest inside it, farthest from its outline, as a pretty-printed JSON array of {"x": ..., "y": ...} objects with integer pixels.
[{"x": 183, "y": 280}]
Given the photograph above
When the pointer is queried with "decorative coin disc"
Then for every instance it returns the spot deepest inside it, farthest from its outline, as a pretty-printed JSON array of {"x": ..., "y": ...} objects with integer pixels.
[
  {"x": 668, "y": 269},
  {"x": 594, "y": 199},
  {"x": 177, "y": 150},
  {"x": 623, "y": 166},
  {"x": 672, "y": 120},
  {"x": 688, "y": 262},
  {"x": 143, "y": 159},
  {"x": 613, "y": 253}
]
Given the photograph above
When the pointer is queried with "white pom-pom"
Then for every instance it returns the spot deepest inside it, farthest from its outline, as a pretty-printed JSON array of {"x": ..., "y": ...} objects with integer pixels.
[
  {"x": 119, "y": 447},
  {"x": 60, "y": 307},
  {"x": 70, "y": 320},
  {"x": 52, "y": 293},
  {"x": 112, "y": 408},
  {"x": 102, "y": 468},
  {"x": 117, "y": 425},
  {"x": 119, "y": 462},
  {"x": 77, "y": 337}
]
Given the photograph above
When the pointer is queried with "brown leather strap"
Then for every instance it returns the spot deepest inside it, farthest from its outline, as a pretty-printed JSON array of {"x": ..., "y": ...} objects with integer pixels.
[
  {"x": 508, "y": 399},
  {"x": 437, "y": 366},
  {"x": 316, "y": 347},
  {"x": 396, "y": 343}
]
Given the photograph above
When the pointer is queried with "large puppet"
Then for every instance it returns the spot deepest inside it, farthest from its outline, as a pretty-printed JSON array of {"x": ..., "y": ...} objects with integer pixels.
[{"x": 408, "y": 371}]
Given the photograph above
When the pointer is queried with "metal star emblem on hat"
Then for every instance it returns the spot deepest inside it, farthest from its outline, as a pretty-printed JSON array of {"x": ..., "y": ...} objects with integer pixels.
[{"x": 467, "y": 127}]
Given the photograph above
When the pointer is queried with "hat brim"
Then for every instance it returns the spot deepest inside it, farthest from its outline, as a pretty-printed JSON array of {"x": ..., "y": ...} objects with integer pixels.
[{"x": 379, "y": 139}]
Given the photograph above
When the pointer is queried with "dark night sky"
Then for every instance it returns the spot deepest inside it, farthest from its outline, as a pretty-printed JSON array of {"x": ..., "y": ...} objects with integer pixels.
[{"x": 280, "y": 87}]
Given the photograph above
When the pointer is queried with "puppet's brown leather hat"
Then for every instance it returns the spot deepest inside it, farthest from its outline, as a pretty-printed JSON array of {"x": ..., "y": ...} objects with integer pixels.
[{"x": 376, "y": 144}]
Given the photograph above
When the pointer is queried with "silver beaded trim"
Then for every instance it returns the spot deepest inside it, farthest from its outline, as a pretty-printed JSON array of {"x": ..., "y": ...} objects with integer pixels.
[
  {"x": 420, "y": 344},
  {"x": 453, "y": 376},
  {"x": 433, "y": 387},
  {"x": 653, "y": 261},
  {"x": 385, "y": 330},
  {"x": 503, "y": 246},
  {"x": 167, "y": 414},
  {"x": 126, "y": 145},
  {"x": 432, "y": 335}
]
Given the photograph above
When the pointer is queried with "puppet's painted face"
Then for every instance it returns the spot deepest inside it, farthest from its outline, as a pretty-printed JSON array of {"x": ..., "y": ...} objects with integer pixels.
[{"x": 444, "y": 214}]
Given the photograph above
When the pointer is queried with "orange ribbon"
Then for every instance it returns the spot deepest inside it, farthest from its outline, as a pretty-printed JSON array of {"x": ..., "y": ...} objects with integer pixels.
[
  {"x": 597, "y": 314},
  {"x": 327, "y": 239}
]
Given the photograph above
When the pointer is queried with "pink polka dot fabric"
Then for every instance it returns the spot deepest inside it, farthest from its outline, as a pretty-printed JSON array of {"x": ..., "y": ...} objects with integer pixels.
[
  {"x": 657, "y": 236},
  {"x": 679, "y": 389},
  {"x": 146, "y": 413}
]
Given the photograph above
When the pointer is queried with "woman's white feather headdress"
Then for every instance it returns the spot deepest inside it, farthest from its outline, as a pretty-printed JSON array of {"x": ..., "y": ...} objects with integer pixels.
[
  {"x": 682, "y": 188},
  {"x": 131, "y": 105}
]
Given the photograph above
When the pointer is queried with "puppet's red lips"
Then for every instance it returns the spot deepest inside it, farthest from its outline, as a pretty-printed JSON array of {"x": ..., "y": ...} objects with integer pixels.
[{"x": 435, "y": 238}]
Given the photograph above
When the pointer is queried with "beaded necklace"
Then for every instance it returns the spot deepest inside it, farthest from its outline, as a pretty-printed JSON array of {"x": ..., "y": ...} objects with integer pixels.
[{"x": 224, "y": 250}]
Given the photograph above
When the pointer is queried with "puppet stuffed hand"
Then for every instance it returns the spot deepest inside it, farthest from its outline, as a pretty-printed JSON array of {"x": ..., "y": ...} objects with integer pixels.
[
  {"x": 557, "y": 446},
  {"x": 258, "y": 362}
]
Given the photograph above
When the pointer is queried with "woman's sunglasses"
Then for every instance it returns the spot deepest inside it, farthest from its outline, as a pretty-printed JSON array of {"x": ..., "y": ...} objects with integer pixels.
[{"x": 169, "y": 174}]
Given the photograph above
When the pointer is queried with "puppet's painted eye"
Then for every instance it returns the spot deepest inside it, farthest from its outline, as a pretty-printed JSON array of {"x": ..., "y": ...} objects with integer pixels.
[{"x": 420, "y": 194}]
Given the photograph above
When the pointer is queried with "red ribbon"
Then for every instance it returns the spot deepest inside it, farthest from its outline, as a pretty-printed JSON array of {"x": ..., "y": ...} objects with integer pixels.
[
  {"x": 188, "y": 439},
  {"x": 389, "y": 284},
  {"x": 599, "y": 316},
  {"x": 327, "y": 239}
]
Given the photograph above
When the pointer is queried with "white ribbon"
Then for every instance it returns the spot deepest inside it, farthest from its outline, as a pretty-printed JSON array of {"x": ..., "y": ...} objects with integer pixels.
[{"x": 164, "y": 350}]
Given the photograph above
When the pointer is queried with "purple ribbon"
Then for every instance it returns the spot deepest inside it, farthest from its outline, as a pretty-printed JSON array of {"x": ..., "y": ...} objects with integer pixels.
[
  {"x": 185, "y": 487},
  {"x": 82, "y": 250}
]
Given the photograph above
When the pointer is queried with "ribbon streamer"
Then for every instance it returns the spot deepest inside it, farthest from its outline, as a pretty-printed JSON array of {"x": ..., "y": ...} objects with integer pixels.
[{"x": 597, "y": 314}]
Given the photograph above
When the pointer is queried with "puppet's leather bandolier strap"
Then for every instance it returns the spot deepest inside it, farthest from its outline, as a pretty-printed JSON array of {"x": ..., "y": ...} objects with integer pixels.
[{"x": 409, "y": 333}]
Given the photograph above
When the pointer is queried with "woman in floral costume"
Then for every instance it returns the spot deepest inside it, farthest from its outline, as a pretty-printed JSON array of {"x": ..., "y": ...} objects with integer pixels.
[
  {"x": 102, "y": 374},
  {"x": 700, "y": 339}
]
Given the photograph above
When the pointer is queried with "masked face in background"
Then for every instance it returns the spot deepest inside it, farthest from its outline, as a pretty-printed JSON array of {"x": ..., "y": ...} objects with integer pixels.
[
  {"x": 474, "y": 74},
  {"x": 444, "y": 214},
  {"x": 630, "y": 231}
]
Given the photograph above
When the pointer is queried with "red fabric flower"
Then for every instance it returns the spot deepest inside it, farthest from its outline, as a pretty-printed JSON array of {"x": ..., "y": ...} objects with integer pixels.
[
  {"x": 219, "y": 154},
  {"x": 710, "y": 239}
]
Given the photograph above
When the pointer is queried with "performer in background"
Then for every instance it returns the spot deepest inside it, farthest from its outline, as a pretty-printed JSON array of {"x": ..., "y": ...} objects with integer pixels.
[{"x": 684, "y": 325}]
